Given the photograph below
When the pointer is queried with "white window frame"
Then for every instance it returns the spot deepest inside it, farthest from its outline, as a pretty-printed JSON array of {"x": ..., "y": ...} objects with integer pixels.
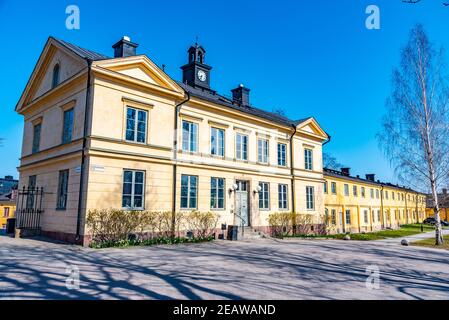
[
  {"x": 217, "y": 198},
  {"x": 310, "y": 198},
  {"x": 136, "y": 124},
  {"x": 333, "y": 187},
  {"x": 242, "y": 153},
  {"x": 219, "y": 149},
  {"x": 189, "y": 205},
  {"x": 264, "y": 196},
  {"x": 133, "y": 186},
  {"x": 282, "y": 154},
  {"x": 193, "y": 127},
  {"x": 263, "y": 147},
  {"x": 283, "y": 196},
  {"x": 308, "y": 159}
]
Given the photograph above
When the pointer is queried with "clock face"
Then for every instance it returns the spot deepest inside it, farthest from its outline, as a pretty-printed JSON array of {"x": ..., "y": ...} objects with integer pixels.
[{"x": 202, "y": 75}]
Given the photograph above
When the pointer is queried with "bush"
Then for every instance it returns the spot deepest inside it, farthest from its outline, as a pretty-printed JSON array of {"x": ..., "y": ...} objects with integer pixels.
[
  {"x": 284, "y": 224},
  {"x": 113, "y": 227},
  {"x": 203, "y": 224}
]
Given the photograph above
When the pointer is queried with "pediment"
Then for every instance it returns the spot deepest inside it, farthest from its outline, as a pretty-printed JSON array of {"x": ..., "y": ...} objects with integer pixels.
[
  {"x": 41, "y": 79},
  {"x": 311, "y": 127},
  {"x": 140, "y": 68}
]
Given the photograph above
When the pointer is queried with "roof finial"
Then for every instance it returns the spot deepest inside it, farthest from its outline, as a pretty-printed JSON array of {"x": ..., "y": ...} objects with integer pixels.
[{"x": 196, "y": 41}]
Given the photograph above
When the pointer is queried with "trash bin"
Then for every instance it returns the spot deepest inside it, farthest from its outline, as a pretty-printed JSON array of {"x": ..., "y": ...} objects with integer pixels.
[
  {"x": 232, "y": 233},
  {"x": 10, "y": 225}
]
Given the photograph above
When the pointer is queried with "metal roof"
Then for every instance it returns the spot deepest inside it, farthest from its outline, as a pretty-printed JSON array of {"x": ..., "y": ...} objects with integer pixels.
[
  {"x": 208, "y": 95},
  {"x": 83, "y": 53},
  {"x": 212, "y": 96},
  {"x": 339, "y": 174}
]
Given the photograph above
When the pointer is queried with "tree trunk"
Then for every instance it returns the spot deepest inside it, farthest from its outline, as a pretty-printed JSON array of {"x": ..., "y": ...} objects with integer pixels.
[{"x": 436, "y": 208}]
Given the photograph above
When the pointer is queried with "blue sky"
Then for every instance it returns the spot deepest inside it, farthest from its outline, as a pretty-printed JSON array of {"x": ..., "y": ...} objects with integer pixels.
[{"x": 311, "y": 58}]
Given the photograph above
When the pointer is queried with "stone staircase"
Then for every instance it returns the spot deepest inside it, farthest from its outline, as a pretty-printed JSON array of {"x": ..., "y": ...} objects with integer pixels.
[{"x": 251, "y": 234}]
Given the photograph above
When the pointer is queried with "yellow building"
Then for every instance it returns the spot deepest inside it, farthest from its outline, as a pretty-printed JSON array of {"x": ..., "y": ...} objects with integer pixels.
[
  {"x": 7, "y": 208},
  {"x": 443, "y": 202},
  {"x": 118, "y": 132},
  {"x": 355, "y": 204}
]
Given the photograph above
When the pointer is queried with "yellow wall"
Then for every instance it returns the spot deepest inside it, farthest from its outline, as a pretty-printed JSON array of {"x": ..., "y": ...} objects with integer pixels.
[
  {"x": 4, "y": 207},
  {"x": 392, "y": 212},
  {"x": 444, "y": 213}
]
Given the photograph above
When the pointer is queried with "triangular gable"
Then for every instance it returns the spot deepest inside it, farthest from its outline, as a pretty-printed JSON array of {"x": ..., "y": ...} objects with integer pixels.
[
  {"x": 142, "y": 68},
  {"x": 40, "y": 80},
  {"x": 311, "y": 127}
]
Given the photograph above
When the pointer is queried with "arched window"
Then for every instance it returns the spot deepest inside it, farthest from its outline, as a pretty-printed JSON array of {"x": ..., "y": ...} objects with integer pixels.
[{"x": 55, "y": 80}]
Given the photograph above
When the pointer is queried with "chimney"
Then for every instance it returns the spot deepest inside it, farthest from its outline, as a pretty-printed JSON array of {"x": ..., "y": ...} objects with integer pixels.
[
  {"x": 444, "y": 191},
  {"x": 240, "y": 95},
  {"x": 9, "y": 178},
  {"x": 124, "y": 48},
  {"x": 370, "y": 177},
  {"x": 345, "y": 171}
]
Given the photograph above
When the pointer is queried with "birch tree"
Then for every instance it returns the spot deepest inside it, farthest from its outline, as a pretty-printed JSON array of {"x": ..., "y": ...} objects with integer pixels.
[{"x": 415, "y": 135}]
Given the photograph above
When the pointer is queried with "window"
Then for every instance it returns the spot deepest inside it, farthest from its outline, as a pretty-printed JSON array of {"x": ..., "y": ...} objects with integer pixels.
[
  {"x": 354, "y": 191},
  {"x": 348, "y": 217},
  {"x": 362, "y": 192},
  {"x": 282, "y": 154},
  {"x": 334, "y": 216},
  {"x": 262, "y": 150},
  {"x": 378, "y": 215},
  {"x": 6, "y": 212},
  {"x": 372, "y": 193},
  {"x": 31, "y": 187},
  {"x": 386, "y": 194},
  {"x": 241, "y": 143},
  {"x": 346, "y": 190},
  {"x": 67, "y": 126},
  {"x": 63, "y": 183},
  {"x": 365, "y": 216},
  {"x": 392, "y": 195},
  {"x": 55, "y": 79},
  {"x": 334, "y": 188},
  {"x": 310, "y": 198},
  {"x": 217, "y": 192},
  {"x": 36, "y": 137},
  {"x": 189, "y": 192},
  {"x": 217, "y": 137},
  {"x": 308, "y": 159},
  {"x": 136, "y": 125},
  {"x": 377, "y": 193},
  {"x": 133, "y": 189},
  {"x": 325, "y": 187},
  {"x": 282, "y": 196},
  {"x": 264, "y": 195}
]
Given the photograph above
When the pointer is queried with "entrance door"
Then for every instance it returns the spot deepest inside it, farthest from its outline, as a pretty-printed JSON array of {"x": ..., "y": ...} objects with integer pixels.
[{"x": 241, "y": 203}]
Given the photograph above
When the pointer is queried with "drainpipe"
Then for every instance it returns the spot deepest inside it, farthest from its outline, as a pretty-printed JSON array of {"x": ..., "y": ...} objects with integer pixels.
[
  {"x": 85, "y": 131},
  {"x": 175, "y": 158},
  {"x": 292, "y": 170},
  {"x": 382, "y": 205},
  {"x": 292, "y": 173}
]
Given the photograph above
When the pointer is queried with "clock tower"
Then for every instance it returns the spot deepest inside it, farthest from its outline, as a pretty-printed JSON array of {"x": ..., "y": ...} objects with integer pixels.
[{"x": 196, "y": 73}]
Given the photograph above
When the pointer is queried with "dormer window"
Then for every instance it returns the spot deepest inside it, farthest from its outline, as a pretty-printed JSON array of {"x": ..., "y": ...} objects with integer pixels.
[{"x": 55, "y": 80}]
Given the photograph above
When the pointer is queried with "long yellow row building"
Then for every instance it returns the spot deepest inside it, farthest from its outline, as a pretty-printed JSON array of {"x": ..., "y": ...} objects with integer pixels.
[{"x": 355, "y": 204}]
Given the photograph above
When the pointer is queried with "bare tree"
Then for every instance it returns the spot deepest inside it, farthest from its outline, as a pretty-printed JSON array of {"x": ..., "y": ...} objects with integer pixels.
[
  {"x": 279, "y": 111},
  {"x": 415, "y": 133},
  {"x": 416, "y": 1},
  {"x": 330, "y": 162}
]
